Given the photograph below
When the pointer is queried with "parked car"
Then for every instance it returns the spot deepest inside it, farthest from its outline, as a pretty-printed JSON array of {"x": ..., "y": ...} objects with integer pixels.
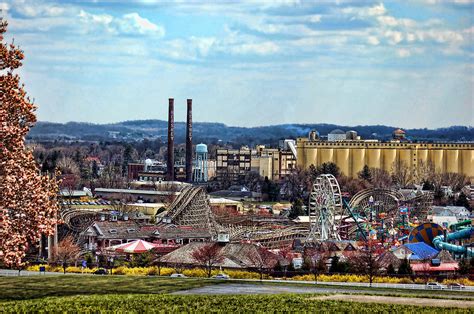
[
  {"x": 221, "y": 276},
  {"x": 101, "y": 271},
  {"x": 434, "y": 286},
  {"x": 456, "y": 286},
  {"x": 175, "y": 275}
]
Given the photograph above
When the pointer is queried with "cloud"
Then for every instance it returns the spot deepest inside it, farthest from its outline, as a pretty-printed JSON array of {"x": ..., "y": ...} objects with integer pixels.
[
  {"x": 133, "y": 23},
  {"x": 128, "y": 24},
  {"x": 391, "y": 21},
  {"x": 264, "y": 48},
  {"x": 394, "y": 37},
  {"x": 403, "y": 53},
  {"x": 373, "y": 40},
  {"x": 363, "y": 11},
  {"x": 4, "y": 6},
  {"x": 34, "y": 9}
]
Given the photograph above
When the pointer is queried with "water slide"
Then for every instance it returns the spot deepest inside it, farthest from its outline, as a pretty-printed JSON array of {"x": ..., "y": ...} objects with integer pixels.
[
  {"x": 443, "y": 244},
  {"x": 460, "y": 225},
  {"x": 292, "y": 147}
]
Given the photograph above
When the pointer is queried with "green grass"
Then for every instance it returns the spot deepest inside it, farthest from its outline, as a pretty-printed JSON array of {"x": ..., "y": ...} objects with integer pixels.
[
  {"x": 21, "y": 288},
  {"x": 206, "y": 304},
  {"x": 434, "y": 294}
]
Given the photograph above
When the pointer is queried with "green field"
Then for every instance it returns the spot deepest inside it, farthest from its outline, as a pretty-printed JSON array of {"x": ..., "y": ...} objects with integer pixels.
[
  {"x": 139, "y": 294},
  {"x": 21, "y": 288},
  {"x": 205, "y": 304}
]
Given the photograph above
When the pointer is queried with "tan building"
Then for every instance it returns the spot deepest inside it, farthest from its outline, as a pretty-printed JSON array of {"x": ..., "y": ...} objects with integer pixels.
[
  {"x": 351, "y": 156},
  {"x": 273, "y": 163}
]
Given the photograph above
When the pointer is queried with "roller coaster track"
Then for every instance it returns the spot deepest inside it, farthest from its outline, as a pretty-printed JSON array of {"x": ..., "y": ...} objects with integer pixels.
[
  {"x": 362, "y": 197},
  {"x": 78, "y": 219},
  {"x": 191, "y": 208}
]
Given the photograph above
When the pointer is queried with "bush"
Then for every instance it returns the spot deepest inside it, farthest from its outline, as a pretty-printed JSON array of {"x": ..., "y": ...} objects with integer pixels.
[{"x": 243, "y": 274}]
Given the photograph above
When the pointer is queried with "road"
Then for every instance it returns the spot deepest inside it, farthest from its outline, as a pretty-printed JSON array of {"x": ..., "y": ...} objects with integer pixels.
[
  {"x": 238, "y": 288},
  {"x": 342, "y": 286}
]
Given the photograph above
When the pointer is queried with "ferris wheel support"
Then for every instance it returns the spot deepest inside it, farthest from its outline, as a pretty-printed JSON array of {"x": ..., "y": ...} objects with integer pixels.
[{"x": 325, "y": 203}]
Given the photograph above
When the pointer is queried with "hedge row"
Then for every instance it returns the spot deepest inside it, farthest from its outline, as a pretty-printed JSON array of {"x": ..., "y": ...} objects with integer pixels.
[{"x": 241, "y": 274}]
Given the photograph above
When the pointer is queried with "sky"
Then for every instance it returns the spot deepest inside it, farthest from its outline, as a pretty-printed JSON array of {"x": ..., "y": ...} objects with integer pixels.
[{"x": 249, "y": 63}]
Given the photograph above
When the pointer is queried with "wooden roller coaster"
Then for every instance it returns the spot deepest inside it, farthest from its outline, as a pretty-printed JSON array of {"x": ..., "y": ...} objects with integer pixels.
[{"x": 192, "y": 208}]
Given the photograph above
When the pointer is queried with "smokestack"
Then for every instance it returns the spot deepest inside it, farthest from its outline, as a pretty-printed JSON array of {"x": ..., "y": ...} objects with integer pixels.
[
  {"x": 189, "y": 142},
  {"x": 170, "y": 161}
]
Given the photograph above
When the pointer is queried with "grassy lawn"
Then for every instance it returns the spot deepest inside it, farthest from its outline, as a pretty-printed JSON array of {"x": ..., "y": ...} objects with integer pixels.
[
  {"x": 435, "y": 294},
  {"x": 136, "y": 303},
  {"x": 140, "y": 294},
  {"x": 21, "y": 288}
]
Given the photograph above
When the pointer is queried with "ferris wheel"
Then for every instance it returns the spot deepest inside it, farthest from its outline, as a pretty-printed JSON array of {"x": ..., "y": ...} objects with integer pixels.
[{"x": 325, "y": 209}]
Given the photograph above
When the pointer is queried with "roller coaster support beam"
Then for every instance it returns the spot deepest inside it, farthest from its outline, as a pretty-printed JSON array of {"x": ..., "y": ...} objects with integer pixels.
[{"x": 362, "y": 231}]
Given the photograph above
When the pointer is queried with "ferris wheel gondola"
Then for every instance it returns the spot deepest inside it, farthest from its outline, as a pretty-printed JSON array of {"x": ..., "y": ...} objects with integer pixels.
[{"x": 325, "y": 209}]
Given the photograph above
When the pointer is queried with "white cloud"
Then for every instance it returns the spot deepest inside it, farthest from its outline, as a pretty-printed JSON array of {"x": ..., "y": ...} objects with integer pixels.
[
  {"x": 377, "y": 10},
  {"x": 449, "y": 1},
  {"x": 4, "y": 6},
  {"x": 373, "y": 40},
  {"x": 387, "y": 20},
  {"x": 128, "y": 24},
  {"x": 133, "y": 23},
  {"x": 403, "y": 53},
  {"x": 264, "y": 48},
  {"x": 394, "y": 37},
  {"x": 37, "y": 9},
  {"x": 411, "y": 37}
]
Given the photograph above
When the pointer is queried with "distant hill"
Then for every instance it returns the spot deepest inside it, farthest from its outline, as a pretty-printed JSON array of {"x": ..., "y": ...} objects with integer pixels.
[{"x": 218, "y": 132}]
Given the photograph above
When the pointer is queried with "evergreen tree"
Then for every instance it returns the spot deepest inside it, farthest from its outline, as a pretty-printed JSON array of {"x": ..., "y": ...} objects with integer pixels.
[
  {"x": 428, "y": 186},
  {"x": 325, "y": 168},
  {"x": 296, "y": 209},
  {"x": 334, "y": 268},
  {"x": 463, "y": 201},
  {"x": 464, "y": 267},
  {"x": 391, "y": 270},
  {"x": 405, "y": 268},
  {"x": 365, "y": 174}
]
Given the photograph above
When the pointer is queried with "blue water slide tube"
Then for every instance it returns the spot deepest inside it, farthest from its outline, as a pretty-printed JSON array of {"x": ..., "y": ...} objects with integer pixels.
[{"x": 441, "y": 244}]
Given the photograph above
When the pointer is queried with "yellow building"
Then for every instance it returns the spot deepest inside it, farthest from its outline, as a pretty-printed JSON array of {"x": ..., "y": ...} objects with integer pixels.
[{"x": 352, "y": 156}]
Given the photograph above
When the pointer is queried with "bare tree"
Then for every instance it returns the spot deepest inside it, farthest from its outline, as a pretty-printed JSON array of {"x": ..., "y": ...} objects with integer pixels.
[
  {"x": 67, "y": 251},
  {"x": 208, "y": 256},
  {"x": 425, "y": 172},
  {"x": 366, "y": 261},
  {"x": 381, "y": 179},
  {"x": 296, "y": 184},
  {"x": 316, "y": 264},
  {"x": 263, "y": 260},
  {"x": 455, "y": 180},
  {"x": 401, "y": 174}
]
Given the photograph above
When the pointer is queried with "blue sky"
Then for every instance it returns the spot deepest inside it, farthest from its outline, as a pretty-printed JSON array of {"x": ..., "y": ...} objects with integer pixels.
[{"x": 402, "y": 63}]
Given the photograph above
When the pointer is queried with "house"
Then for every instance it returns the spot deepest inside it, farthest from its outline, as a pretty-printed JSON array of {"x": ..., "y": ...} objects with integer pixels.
[
  {"x": 435, "y": 268},
  {"x": 101, "y": 234},
  {"x": 226, "y": 205},
  {"x": 231, "y": 255},
  {"x": 415, "y": 251},
  {"x": 460, "y": 212},
  {"x": 388, "y": 258},
  {"x": 237, "y": 193},
  {"x": 444, "y": 221},
  {"x": 132, "y": 195}
]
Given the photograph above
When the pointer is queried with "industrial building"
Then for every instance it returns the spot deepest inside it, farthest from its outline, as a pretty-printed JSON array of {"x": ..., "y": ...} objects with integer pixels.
[
  {"x": 352, "y": 155},
  {"x": 274, "y": 163}
]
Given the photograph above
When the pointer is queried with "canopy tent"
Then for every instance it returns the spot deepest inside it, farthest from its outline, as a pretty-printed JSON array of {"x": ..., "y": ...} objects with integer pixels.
[{"x": 137, "y": 246}]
